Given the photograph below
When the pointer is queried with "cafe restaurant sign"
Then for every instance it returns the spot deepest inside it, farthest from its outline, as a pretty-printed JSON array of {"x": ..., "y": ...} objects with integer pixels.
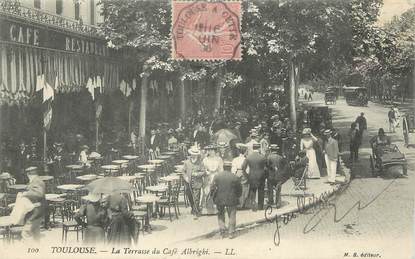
[{"x": 44, "y": 37}]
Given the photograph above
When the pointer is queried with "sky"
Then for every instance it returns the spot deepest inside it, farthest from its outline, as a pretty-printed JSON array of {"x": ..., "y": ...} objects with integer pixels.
[{"x": 394, "y": 7}]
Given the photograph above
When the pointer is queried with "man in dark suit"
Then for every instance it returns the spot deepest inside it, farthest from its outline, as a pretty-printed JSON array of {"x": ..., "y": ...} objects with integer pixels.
[
  {"x": 200, "y": 136},
  {"x": 226, "y": 190},
  {"x": 278, "y": 173},
  {"x": 36, "y": 194},
  {"x": 154, "y": 141},
  {"x": 256, "y": 176}
]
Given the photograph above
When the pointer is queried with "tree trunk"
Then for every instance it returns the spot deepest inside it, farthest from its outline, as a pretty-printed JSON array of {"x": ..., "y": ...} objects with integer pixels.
[
  {"x": 218, "y": 95},
  {"x": 143, "y": 106},
  {"x": 182, "y": 95},
  {"x": 293, "y": 94}
]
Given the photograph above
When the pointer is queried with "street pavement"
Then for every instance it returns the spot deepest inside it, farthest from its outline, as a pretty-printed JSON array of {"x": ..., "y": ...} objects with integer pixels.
[{"x": 372, "y": 218}]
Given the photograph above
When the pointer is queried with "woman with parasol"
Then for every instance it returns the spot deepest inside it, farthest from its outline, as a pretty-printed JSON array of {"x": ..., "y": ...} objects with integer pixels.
[{"x": 121, "y": 228}]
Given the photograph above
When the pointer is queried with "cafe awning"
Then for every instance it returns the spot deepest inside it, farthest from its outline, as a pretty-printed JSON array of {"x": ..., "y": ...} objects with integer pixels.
[{"x": 21, "y": 66}]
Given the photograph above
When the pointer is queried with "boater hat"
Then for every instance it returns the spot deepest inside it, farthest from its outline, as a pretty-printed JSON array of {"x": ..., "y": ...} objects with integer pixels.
[
  {"x": 227, "y": 164},
  {"x": 274, "y": 147},
  {"x": 306, "y": 131},
  {"x": 327, "y": 132},
  {"x": 31, "y": 170},
  {"x": 194, "y": 151}
]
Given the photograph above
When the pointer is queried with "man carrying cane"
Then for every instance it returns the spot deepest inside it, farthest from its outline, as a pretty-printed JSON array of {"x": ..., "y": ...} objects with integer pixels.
[{"x": 193, "y": 176}]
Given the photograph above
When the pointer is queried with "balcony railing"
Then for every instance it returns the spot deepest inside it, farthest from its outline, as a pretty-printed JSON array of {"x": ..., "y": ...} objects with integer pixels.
[{"x": 14, "y": 8}]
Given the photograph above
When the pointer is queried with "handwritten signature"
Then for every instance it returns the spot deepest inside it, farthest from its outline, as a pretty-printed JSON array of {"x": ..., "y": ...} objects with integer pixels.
[{"x": 325, "y": 202}]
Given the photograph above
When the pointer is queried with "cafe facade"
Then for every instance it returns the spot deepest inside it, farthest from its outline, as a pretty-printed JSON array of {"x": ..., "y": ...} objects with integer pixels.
[{"x": 39, "y": 50}]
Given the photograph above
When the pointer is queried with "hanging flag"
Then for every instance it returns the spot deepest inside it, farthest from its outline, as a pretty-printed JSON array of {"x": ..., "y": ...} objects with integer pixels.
[
  {"x": 47, "y": 115},
  {"x": 40, "y": 82},
  {"x": 99, "y": 83},
  {"x": 127, "y": 90},
  {"x": 134, "y": 84},
  {"x": 123, "y": 87},
  {"x": 48, "y": 92},
  {"x": 90, "y": 87}
]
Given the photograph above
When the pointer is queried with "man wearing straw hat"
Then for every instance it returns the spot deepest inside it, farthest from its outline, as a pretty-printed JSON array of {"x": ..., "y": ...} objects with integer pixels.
[
  {"x": 331, "y": 154},
  {"x": 278, "y": 173},
  {"x": 193, "y": 176},
  {"x": 36, "y": 194}
]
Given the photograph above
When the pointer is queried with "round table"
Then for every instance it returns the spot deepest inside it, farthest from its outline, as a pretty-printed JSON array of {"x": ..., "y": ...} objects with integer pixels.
[
  {"x": 156, "y": 161},
  {"x": 146, "y": 167},
  {"x": 87, "y": 177},
  {"x": 149, "y": 200},
  {"x": 69, "y": 187},
  {"x": 18, "y": 187},
  {"x": 53, "y": 196},
  {"x": 74, "y": 167},
  {"x": 110, "y": 168},
  {"x": 130, "y": 157},
  {"x": 169, "y": 153},
  {"x": 157, "y": 188},
  {"x": 46, "y": 177},
  {"x": 164, "y": 157},
  {"x": 170, "y": 178},
  {"x": 128, "y": 178},
  {"x": 120, "y": 162}
]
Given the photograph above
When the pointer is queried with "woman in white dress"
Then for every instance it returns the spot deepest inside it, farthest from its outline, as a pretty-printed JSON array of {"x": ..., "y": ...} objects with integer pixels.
[
  {"x": 213, "y": 164},
  {"x": 307, "y": 143}
]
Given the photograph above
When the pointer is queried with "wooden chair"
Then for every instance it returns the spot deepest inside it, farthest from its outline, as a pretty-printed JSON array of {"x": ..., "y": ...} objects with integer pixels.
[
  {"x": 172, "y": 200},
  {"x": 68, "y": 221}
]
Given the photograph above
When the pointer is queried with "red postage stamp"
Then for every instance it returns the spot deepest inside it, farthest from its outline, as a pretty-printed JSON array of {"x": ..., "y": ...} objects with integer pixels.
[{"x": 204, "y": 30}]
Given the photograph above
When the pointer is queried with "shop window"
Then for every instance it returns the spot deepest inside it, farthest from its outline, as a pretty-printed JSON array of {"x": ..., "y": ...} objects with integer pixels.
[
  {"x": 92, "y": 2},
  {"x": 59, "y": 6},
  {"x": 77, "y": 15},
  {"x": 37, "y": 4}
]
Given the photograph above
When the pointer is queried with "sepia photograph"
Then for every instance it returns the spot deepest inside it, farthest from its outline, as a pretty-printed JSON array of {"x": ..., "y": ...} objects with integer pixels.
[{"x": 207, "y": 129}]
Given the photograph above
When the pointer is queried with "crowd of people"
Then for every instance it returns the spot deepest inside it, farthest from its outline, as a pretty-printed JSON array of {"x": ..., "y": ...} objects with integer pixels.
[{"x": 232, "y": 155}]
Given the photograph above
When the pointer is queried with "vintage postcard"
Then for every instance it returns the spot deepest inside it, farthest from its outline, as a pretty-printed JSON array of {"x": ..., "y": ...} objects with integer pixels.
[{"x": 207, "y": 129}]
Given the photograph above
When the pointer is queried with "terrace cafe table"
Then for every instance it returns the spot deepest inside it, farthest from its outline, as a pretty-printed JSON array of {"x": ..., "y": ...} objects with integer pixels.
[
  {"x": 87, "y": 177},
  {"x": 157, "y": 189},
  {"x": 130, "y": 157},
  {"x": 18, "y": 187},
  {"x": 149, "y": 200},
  {"x": 120, "y": 163},
  {"x": 170, "y": 178},
  {"x": 110, "y": 168},
  {"x": 70, "y": 187}
]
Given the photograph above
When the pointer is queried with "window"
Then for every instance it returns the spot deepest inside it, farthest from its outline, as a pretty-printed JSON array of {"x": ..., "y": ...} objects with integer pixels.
[
  {"x": 59, "y": 6},
  {"x": 77, "y": 11},
  {"x": 92, "y": 11},
  {"x": 37, "y": 4}
]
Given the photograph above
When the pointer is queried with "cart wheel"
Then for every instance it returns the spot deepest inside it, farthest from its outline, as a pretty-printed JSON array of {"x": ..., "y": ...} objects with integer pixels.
[{"x": 372, "y": 166}]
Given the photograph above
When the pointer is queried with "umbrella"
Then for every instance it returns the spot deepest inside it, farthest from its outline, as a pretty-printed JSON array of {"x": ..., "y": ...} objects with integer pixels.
[
  {"x": 108, "y": 185},
  {"x": 224, "y": 135}
]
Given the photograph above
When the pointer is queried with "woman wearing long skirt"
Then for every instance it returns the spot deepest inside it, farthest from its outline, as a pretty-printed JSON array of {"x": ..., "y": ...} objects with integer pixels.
[
  {"x": 93, "y": 217},
  {"x": 122, "y": 227},
  {"x": 307, "y": 143},
  {"x": 213, "y": 164}
]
